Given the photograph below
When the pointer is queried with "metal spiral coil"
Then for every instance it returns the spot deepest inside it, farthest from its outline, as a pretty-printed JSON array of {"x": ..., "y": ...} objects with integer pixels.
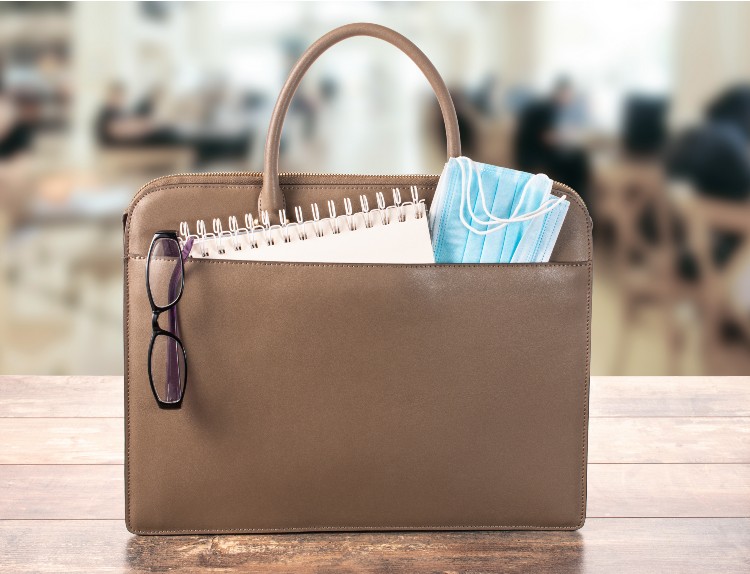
[{"x": 258, "y": 233}]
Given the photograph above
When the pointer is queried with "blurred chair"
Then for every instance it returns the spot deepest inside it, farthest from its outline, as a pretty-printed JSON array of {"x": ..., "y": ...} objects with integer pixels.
[
  {"x": 632, "y": 200},
  {"x": 644, "y": 125},
  {"x": 725, "y": 320}
]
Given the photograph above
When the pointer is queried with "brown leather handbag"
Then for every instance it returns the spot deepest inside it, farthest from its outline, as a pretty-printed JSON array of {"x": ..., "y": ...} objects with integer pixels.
[{"x": 343, "y": 397}]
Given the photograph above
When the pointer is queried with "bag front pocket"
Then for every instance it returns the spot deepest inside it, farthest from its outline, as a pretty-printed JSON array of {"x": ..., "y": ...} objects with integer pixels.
[{"x": 365, "y": 397}]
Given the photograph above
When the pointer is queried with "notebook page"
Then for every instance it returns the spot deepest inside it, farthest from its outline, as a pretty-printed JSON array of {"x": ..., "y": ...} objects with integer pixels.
[{"x": 388, "y": 240}]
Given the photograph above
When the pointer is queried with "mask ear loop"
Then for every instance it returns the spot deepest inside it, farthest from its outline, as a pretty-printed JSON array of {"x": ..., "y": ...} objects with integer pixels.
[
  {"x": 496, "y": 223},
  {"x": 514, "y": 216},
  {"x": 466, "y": 196},
  {"x": 472, "y": 166}
]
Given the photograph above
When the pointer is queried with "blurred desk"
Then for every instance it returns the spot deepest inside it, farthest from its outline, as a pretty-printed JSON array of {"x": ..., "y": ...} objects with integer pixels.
[
  {"x": 117, "y": 163},
  {"x": 669, "y": 491},
  {"x": 100, "y": 206}
]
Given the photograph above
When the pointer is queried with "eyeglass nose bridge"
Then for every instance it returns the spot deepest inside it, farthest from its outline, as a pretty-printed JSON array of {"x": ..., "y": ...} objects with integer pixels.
[{"x": 155, "y": 327}]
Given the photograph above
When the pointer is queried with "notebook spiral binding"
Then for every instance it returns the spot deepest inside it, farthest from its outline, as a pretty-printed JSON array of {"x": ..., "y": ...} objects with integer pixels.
[{"x": 257, "y": 234}]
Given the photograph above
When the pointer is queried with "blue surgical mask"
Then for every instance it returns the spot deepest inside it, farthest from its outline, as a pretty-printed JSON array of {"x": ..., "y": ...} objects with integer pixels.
[
  {"x": 487, "y": 214},
  {"x": 541, "y": 235}
]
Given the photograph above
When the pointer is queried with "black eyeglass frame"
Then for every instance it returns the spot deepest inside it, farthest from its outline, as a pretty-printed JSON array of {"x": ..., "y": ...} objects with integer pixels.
[{"x": 156, "y": 311}]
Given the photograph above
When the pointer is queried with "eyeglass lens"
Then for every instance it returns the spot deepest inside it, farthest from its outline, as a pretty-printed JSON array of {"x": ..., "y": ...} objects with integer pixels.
[
  {"x": 165, "y": 271},
  {"x": 168, "y": 368}
]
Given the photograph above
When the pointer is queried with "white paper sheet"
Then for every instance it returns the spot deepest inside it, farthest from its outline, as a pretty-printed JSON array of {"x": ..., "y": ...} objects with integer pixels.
[{"x": 388, "y": 240}]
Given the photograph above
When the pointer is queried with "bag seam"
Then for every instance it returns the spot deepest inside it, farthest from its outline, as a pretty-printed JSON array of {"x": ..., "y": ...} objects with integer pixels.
[
  {"x": 587, "y": 384},
  {"x": 356, "y": 528},
  {"x": 382, "y": 265},
  {"x": 128, "y": 514}
]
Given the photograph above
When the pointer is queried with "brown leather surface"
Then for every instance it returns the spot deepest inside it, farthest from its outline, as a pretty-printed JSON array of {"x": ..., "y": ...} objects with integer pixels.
[
  {"x": 357, "y": 397},
  {"x": 272, "y": 197}
]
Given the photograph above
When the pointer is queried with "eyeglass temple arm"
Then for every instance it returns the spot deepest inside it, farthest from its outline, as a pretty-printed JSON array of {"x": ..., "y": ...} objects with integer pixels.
[{"x": 173, "y": 361}]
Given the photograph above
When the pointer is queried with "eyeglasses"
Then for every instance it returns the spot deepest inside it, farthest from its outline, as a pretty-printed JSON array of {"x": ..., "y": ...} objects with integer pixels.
[{"x": 165, "y": 282}]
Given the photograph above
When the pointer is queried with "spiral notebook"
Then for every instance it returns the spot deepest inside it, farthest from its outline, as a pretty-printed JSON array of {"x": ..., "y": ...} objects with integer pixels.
[{"x": 396, "y": 233}]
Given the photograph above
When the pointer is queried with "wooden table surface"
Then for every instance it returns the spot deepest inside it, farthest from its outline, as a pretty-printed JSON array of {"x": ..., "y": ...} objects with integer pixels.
[{"x": 669, "y": 491}]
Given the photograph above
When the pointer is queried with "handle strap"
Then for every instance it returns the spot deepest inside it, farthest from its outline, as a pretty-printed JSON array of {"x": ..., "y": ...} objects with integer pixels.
[{"x": 272, "y": 198}]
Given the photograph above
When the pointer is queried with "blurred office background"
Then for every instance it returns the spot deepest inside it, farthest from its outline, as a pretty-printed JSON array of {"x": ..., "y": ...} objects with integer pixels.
[{"x": 644, "y": 108}]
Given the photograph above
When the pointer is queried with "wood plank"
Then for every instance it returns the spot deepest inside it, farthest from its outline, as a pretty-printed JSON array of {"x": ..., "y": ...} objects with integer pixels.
[
  {"x": 602, "y": 546},
  {"x": 614, "y": 490},
  {"x": 669, "y": 440},
  {"x": 670, "y": 396},
  {"x": 669, "y": 490},
  {"x": 61, "y": 492},
  {"x": 611, "y": 440},
  {"x": 62, "y": 441},
  {"x": 33, "y": 396}
]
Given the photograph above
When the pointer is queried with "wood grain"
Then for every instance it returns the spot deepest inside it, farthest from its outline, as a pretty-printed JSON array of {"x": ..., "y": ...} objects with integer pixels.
[
  {"x": 669, "y": 440},
  {"x": 666, "y": 440},
  {"x": 669, "y": 490},
  {"x": 603, "y": 545},
  {"x": 79, "y": 492},
  {"x": 611, "y": 440},
  {"x": 61, "y": 441},
  {"x": 670, "y": 396},
  {"x": 75, "y": 492},
  {"x": 30, "y": 396}
]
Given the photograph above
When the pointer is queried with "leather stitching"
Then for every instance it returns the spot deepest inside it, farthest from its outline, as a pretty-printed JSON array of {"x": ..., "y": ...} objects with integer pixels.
[
  {"x": 587, "y": 384},
  {"x": 128, "y": 519},
  {"x": 354, "y": 529},
  {"x": 381, "y": 265}
]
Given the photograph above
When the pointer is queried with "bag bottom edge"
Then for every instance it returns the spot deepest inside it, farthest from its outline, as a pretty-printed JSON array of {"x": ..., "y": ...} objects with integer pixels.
[{"x": 344, "y": 530}]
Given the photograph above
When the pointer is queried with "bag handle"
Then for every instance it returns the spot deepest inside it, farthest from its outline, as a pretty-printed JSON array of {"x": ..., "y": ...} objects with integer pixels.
[{"x": 272, "y": 198}]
